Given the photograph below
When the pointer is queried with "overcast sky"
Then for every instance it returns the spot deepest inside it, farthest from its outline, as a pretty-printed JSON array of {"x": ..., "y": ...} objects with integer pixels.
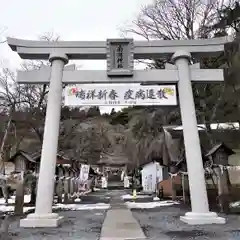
[{"x": 70, "y": 19}]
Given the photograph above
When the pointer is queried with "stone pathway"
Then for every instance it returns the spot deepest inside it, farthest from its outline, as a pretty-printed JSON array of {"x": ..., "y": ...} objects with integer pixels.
[{"x": 119, "y": 223}]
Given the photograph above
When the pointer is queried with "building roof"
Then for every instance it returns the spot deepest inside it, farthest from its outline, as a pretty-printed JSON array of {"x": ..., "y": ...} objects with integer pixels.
[
  {"x": 24, "y": 154},
  {"x": 36, "y": 157},
  {"x": 218, "y": 146}
]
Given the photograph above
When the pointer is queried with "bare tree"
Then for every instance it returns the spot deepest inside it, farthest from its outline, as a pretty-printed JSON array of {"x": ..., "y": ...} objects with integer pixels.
[
  {"x": 181, "y": 19},
  {"x": 186, "y": 19},
  {"x": 148, "y": 140}
]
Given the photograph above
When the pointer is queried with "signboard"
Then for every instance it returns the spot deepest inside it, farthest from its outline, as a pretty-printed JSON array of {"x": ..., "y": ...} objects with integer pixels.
[
  {"x": 120, "y": 59},
  {"x": 83, "y": 177},
  {"x": 84, "y": 172},
  {"x": 119, "y": 95}
]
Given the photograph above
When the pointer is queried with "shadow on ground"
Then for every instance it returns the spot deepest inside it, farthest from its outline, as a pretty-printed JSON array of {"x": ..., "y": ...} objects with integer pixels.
[{"x": 164, "y": 223}]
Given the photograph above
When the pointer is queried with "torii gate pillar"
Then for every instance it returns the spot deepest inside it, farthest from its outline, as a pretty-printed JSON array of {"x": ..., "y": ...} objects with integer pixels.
[
  {"x": 199, "y": 201},
  {"x": 43, "y": 216}
]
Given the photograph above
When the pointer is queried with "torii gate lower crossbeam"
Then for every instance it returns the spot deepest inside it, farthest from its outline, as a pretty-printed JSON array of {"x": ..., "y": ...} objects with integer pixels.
[{"x": 43, "y": 216}]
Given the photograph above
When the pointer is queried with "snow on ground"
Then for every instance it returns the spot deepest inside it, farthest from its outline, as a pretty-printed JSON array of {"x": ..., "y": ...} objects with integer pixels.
[
  {"x": 78, "y": 207},
  {"x": 4, "y": 208},
  {"x": 27, "y": 199},
  {"x": 146, "y": 205},
  {"x": 235, "y": 204},
  {"x": 129, "y": 196},
  {"x": 73, "y": 207},
  {"x": 77, "y": 200}
]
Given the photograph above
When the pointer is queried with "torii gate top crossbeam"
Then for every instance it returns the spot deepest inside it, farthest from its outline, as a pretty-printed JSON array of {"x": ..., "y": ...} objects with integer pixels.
[{"x": 29, "y": 49}]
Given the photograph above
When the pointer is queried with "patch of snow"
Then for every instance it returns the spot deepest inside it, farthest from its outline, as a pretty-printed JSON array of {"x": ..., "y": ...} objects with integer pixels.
[
  {"x": 4, "y": 208},
  {"x": 72, "y": 207},
  {"x": 202, "y": 127},
  {"x": 156, "y": 199},
  {"x": 27, "y": 199},
  {"x": 147, "y": 205},
  {"x": 77, "y": 207},
  {"x": 98, "y": 214},
  {"x": 77, "y": 200},
  {"x": 85, "y": 192},
  {"x": 235, "y": 204},
  {"x": 129, "y": 196}
]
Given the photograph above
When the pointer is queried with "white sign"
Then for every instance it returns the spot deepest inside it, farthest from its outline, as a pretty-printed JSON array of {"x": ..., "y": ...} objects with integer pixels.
[
  {"x": 84, "y": 173},
  {"x": 149, "y": 177},
  {"x": 119, "y": 95},
  {"x": 104, "y": 182}
]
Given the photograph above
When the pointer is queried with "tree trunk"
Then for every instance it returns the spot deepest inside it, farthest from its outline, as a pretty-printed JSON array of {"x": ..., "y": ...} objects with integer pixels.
[
  {"x": 19, "y": 200},
  {"x": 223, "y": 189},
  {"x": 133, "y": 181},
  {"x": 33, "y": 191},
  {"x": 59, "y": 190},
  {"x": 5, "y": 191},
  {"x": 5, "y": 188},
  {"x": 71, "y": 189},
  {"x": 183, "y": 188},
  {"x": 4, "y": 225},
  {"x": 209, "y": 134},
  {"x": 66, "y": 190},
  {"x": 173, "y": 187}
]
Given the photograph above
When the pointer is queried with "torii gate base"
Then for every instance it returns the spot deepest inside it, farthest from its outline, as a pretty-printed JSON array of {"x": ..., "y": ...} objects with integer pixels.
[{"x": 59, "y": 53}]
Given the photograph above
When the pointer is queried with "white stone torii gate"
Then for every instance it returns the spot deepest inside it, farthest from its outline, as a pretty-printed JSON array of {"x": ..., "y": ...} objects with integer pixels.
[{"x": 58, "y": 53}]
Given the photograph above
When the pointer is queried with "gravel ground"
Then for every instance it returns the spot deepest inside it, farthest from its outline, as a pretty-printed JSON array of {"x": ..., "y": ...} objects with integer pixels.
[
  {"x": 81, "y": 225},
  {"x": 164, "y": 224}
]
